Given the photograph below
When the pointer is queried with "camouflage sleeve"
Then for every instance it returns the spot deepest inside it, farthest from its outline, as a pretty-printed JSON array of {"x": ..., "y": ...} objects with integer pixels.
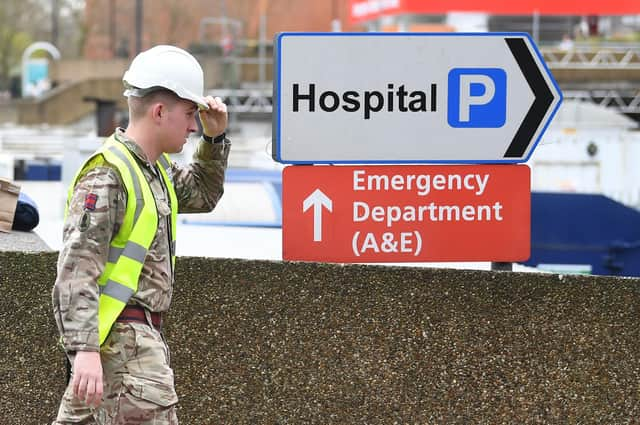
[
  {"x": 199, "y": 185},
  {"x": 95, "y": 212}
]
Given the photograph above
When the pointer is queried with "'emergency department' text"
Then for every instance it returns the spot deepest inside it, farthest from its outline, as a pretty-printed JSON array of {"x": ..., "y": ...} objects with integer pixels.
[{"x": 421, "y": 183}]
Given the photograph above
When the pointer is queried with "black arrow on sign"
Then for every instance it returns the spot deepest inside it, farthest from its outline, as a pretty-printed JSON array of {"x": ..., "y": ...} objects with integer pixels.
[{"x": 543, "y": 98}]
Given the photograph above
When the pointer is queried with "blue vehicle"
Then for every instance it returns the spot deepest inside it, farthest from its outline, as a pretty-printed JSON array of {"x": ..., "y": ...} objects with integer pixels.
[{"x": 584, "y": 233}]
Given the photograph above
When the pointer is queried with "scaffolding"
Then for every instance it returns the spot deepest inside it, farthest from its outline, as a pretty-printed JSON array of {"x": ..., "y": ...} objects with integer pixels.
[
  {"x": 624, "y": 99},
  {"x": 602, "y": 58}
]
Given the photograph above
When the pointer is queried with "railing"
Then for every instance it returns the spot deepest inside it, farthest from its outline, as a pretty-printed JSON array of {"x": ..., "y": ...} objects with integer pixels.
[
  {"x": 246, "y": 100},
  {"x": 32, "y": 145},
  {"x": 261, "y": 101},
  {"x": 625, "y": 101},
  {"x": 608, "y": 58}
]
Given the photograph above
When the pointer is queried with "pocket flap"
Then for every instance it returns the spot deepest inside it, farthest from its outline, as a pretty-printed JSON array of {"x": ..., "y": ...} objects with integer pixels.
[{"x": 159, "y": 393}]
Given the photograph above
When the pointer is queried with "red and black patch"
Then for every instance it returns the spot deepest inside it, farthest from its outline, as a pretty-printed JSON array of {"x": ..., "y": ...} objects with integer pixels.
[{"x": 90, "y": 201}]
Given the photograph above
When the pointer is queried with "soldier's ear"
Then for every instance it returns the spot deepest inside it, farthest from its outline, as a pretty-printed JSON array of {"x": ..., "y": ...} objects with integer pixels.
[{"x": 157, "y": 111}]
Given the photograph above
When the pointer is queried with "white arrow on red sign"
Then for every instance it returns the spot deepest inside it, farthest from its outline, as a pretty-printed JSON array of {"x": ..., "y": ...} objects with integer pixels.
[{"x": 317, "y": 200}]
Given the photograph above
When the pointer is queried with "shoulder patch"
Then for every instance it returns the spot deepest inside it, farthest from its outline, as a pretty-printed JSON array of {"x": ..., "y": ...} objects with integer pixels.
[
  {"x": 85, "y": 221},
  {"x": 90, "y": 201}
]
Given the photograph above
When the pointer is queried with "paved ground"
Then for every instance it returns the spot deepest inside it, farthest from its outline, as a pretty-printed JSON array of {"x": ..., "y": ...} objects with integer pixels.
[{"x": 22, "y": 241}]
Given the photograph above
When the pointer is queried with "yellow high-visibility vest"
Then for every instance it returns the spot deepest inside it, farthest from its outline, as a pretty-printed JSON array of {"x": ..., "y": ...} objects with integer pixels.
[{"x": 128, "y": 249}]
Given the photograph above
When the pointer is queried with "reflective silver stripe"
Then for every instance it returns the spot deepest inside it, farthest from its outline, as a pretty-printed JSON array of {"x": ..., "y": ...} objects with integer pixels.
[
  {"x": 132, "y": 250},
  {"x": 173, "y": 247},
  {"x": 165, "y": 164},
  {"x": 117, "y": 290},
  {"x": 136, "y": 182},
  {"x": 114, "y": 254},
  {"x": 135, "y": 251}
]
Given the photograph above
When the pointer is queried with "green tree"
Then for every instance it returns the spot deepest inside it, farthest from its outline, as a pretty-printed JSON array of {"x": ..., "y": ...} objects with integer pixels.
[
  {"x": 14, "y": 36},
  {"x": 24, "y": 21}
]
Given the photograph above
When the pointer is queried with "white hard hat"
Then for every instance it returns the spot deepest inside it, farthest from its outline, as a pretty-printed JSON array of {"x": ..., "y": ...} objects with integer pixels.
[{"x": 169, "y": 67}]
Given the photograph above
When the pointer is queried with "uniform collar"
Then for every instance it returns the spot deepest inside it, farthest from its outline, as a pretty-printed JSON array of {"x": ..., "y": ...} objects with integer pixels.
[{"x": 133, "y": 147}]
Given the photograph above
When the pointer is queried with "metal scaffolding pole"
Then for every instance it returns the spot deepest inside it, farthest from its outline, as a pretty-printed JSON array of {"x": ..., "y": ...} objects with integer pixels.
[
  {"x": 138, "y": 23},
  {"x": 55, "y": 30}
]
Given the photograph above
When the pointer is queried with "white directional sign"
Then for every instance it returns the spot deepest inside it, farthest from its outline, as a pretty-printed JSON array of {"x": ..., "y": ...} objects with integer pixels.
[{"x": 409, "y": 97}]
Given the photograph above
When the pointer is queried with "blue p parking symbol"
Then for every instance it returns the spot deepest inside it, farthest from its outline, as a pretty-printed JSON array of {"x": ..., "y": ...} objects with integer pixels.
[{"x": 477, "y": 97}]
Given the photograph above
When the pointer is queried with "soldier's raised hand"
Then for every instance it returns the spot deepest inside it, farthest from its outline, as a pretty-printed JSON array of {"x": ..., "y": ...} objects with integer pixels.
[{"x": 214, "y": 119}]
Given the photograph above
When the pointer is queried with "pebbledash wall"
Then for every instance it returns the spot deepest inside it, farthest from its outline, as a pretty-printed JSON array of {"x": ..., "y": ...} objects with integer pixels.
[{"x": 256, "y": 342}]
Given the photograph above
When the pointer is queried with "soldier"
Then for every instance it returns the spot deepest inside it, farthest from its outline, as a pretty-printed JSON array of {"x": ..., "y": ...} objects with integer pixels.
[{"x": 116, "y": 268}]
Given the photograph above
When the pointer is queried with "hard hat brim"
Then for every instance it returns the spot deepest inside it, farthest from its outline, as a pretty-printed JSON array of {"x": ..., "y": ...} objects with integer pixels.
[
  {"x": 141, "y": 88},
  {"x": 198, "y": 100}
]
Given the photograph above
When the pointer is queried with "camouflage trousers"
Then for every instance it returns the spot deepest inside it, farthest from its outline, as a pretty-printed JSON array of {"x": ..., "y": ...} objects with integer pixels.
[{"x": 138, "y": 382}]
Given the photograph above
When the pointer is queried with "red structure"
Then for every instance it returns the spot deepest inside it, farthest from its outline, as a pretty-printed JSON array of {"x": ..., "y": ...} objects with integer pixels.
[{"x": 364, "y": 10}]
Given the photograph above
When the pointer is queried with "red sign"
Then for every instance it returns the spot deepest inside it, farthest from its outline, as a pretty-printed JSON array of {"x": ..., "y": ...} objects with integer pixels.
[
  {"x": 353, "y": 214},
  {"x": 365, "y": 10}
]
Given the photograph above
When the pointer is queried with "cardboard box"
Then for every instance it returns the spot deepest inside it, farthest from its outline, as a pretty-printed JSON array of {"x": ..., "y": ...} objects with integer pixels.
[{"x": 9, "y": 192}]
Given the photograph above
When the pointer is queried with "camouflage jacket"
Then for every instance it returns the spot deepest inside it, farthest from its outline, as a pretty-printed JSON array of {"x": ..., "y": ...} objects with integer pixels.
[{"x": 92, "y": 221}]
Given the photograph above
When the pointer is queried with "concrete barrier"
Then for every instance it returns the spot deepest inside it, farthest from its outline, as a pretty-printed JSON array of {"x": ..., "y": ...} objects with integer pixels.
[
  {"x": 258, "y": 342},
  {"x": 66, "y": 104}
]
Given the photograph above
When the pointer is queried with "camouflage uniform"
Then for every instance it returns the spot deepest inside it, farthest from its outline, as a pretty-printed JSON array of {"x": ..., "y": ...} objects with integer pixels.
[{"x": 138, "y": 380}]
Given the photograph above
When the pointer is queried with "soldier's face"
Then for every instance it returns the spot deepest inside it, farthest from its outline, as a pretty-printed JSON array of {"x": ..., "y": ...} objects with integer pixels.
[{"x": 180, "y": 122}]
